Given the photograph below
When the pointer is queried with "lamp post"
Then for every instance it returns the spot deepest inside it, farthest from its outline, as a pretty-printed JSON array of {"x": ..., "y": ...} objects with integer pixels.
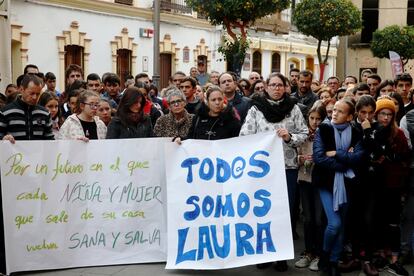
[{"x": 156, "y": 58}]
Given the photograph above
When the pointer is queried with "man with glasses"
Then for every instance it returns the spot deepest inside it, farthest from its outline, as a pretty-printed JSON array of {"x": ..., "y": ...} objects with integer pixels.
[{"x": 333, "y": 84}]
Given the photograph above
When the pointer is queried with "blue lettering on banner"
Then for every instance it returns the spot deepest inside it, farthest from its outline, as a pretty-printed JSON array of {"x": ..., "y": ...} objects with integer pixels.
[
  {"x": 246, "y": 239},
  {"x": 211, "y": 242},
  {"x": 209, "y": 206},
  {"x": 260, "y": 164},
  {"x": 223, "y": 171}
]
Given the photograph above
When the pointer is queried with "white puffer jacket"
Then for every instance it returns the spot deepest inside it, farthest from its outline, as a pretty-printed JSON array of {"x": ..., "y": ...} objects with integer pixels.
[
  {"x": 294, "y": 122},
  {"x": 72, "y": 128}
]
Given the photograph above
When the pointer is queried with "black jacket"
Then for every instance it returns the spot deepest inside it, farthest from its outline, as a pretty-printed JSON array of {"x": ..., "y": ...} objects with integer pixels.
[
  {"x": 241, "y": 104},
  {"x": 205, "y": 127},
  {"x": 117, "y": 130}
]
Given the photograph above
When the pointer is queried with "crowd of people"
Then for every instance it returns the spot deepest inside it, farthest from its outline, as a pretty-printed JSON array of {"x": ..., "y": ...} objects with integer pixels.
[{"x": 347, "y": 145}]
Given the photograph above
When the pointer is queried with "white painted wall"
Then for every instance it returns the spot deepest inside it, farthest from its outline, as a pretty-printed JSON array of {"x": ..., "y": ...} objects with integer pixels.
[{"x": 101, "y": 28}]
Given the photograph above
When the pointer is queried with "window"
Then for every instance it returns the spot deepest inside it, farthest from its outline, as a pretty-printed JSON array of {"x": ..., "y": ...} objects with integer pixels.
[
  {"x": 310, "y": 64},
  {"x": 257, "y": 62},
  {"x": 276, "y": 62},
  {"x": 410, "y": 13},
  {"x": 369, "y": 19},
  {"x": 123, "y": 64},
  {"x": 74, "y": 55}
]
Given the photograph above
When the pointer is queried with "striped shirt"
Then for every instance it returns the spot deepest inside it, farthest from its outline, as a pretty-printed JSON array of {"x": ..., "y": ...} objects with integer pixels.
[{"x": 25, "y": 122}]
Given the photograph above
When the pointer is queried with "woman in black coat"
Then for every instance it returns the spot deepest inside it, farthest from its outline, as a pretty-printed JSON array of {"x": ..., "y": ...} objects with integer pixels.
[
  {"x": 130, "y": 121},
  {"x": 214, "y": 120}
]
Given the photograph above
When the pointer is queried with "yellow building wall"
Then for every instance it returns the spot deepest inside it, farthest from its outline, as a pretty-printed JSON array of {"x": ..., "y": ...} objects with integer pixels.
[{"x": 390, "y": 12}]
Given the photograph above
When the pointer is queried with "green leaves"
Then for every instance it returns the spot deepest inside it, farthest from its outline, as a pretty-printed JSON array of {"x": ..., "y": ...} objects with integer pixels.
[
  {"x": 236, "y": 10},
  {"x": 393, "y": 38},
  {"x": 236, "y": 14},
  {"x": 325, "y": 19}
]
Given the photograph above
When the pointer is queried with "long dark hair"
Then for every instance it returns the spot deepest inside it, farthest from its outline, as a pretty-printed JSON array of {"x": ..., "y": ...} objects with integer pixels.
[
  {"x": 131, "y": 96},
  {"x": 401, "y": 108},
  {"x": 45, "y": 98}
]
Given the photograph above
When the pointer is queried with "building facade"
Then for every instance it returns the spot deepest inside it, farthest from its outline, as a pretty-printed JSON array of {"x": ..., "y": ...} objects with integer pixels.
[
  {"x": 354, "y": 54},
  {"x": 117, "y": 36}
]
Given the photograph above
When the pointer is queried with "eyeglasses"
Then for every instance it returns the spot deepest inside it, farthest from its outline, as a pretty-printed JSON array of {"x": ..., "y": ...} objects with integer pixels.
[
  {"x": 92, "y": 105},
  {"x": 259, "y": 88},
  {"x": 385, "y": 114},
  {"x": 275, "y": 85},
  {"x": 176, "y": 102}
]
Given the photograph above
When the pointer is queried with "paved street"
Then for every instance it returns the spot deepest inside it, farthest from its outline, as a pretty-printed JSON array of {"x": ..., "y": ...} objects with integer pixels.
[{"x": 157, "y": 269}]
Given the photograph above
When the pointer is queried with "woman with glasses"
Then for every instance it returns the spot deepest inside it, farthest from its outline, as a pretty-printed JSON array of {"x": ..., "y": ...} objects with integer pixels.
[
  {"x": 258, "y": 87},
  {"x": 275, "y": 111},
  {"x": 130, "y": 120},
  {"x": 389, "y": 155},
  {"x": 178, "y": 121},
  {"x": 244, "y": 85},
  {"x": 84, "y": 124}
]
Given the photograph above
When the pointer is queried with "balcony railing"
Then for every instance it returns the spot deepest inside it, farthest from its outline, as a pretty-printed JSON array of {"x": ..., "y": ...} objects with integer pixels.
[{"x": 175, "y": 6}]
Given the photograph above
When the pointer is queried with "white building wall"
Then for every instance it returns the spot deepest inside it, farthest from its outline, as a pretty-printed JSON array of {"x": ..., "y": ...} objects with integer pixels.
[{"x": 101, "y": 29}]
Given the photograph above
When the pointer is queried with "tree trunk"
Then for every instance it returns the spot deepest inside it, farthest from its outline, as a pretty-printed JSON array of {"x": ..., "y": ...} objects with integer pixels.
[{"x": 322, "y": 71}]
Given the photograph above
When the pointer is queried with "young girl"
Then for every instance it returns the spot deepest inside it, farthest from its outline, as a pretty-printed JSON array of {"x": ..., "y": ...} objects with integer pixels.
[
  {"x": 311, "y": 204},
  {"x": 389, "y": 156},
  {"x": 337, "y": 151},
  {"x": 51, "y": 102},
  {"x": 84, "y": 124},
  {"x": 104, "y": 111}
]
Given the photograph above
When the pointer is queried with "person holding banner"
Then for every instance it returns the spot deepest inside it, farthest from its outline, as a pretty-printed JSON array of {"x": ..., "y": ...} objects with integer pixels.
[
  {"x": 337, "y": 151},
  {"x": 84, "y": 124},
  {"x": 177, "y": 122},
  {"x": 214, "y": 120},
  {"x": 130, "y": 120},
  {"x": 275, "y": 111}
]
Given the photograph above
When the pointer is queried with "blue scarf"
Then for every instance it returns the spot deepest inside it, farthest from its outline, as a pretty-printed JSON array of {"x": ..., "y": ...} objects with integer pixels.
[{"x": 343, "y": 136}]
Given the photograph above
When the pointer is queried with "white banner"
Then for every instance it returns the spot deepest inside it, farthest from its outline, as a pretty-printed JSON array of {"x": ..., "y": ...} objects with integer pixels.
[
  {"x": 73, "y": 204},
  {"x": 227, "y": 203}
]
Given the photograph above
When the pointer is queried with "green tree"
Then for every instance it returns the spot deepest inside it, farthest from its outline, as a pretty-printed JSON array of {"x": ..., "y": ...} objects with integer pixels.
[
  {"x": 394, "y": 38},
  {"x": 325, "y": 19},
  {"x": 236, "y": 16}
]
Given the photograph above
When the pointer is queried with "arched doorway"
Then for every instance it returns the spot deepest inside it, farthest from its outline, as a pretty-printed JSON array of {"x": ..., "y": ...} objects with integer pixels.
[
  {"x": 275, "y": 62},
  {"x": 257, "y": 62}
]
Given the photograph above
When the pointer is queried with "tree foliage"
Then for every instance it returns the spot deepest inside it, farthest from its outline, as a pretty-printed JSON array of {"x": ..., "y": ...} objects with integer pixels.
[
  {"x": 394, "y": 38},
  {"x": 236, "y": 15},
  {"x": 325, "y": 19}
]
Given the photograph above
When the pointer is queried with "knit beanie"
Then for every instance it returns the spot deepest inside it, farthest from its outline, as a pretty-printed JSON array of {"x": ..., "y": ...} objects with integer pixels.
[{"x": 385, "y": 103}]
